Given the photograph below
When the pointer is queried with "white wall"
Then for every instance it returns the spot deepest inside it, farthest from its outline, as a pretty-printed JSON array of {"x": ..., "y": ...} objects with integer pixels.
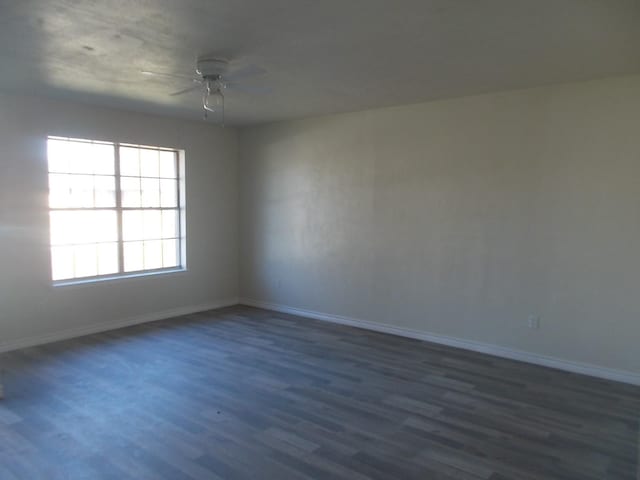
[
  {"x": 30, "y": 307},
  {"x": 458, "y": 217}
]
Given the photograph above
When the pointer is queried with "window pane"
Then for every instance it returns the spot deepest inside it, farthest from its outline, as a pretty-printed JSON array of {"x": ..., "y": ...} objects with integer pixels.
[
  {"x": 80, "y": 191},
  {"x": 79, "y": 155},
  {"x": 61, "y": 263},
  {"x": 107, "y": 258},
  {"x": 63, "y": 228},
  {"x": 59, "y": 191},
  {"x": 103, "y": 158},
  {"x": 152, "y": 224},
  {"x": 169, "y": 253},
  {"x": 150, "y": 192},
  {"x": 104, "y": 224},
  {"x": 129, "y": 162},
  {"x": 133, "y": 256},
  {"x": 131, "y": 194},
  {"x": 169, "y": 223},
  {"x": 149, "y": 166},
  {"x": 75, "y": 156},
  {"x": 141, "y": 225},
  {"x": 105, "y": 191},
  {"x": 57, "y": 156},
  {"x": 132, "y": 225},
  {"x": 168, "y": 164},
  {"x": 86, "y": 260},
  {"x": 169, "y": 193},
  {"x": 153, "y": 254},
  {"x": 74, "y": 227}
]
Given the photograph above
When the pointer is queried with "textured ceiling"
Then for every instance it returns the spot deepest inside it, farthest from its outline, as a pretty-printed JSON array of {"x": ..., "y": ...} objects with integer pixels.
[{"x": 320, "y": 56}]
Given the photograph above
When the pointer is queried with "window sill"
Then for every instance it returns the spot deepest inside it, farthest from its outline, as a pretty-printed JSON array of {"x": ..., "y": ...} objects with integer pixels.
[{"x": 110, "y": 278}]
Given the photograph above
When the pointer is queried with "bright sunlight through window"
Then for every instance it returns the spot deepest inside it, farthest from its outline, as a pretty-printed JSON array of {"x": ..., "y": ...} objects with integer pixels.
[{"x": 114, "y": 209}]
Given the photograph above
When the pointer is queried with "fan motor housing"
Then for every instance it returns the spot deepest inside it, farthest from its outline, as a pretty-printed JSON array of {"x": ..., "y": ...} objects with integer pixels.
[{"x": 211, "y": 67}]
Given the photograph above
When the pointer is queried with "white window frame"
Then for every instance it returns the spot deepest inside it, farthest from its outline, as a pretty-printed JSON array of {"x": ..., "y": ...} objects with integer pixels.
[{"x": 119, "y": 209}]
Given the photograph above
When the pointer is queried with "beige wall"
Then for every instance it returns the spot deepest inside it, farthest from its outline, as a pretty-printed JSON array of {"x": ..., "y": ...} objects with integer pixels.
[
  {"x": 29, "y": 306},
  {"x": 458, "y": 217}
]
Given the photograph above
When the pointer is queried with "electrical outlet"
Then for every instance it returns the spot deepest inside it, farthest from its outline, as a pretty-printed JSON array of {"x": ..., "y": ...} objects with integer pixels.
[{"x": 534, "y": 322}]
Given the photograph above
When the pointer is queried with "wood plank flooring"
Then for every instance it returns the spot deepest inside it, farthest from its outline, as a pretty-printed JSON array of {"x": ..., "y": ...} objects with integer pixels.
[{"x": 244, "y": 393}]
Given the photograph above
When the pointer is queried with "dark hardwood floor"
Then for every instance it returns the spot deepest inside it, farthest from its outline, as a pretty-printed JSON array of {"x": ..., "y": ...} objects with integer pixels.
[{"x": 247, "y": 393}]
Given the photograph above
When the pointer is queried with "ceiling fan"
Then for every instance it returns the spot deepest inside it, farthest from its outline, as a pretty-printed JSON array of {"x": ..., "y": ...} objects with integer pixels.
[{"x": 213, "y": 76}]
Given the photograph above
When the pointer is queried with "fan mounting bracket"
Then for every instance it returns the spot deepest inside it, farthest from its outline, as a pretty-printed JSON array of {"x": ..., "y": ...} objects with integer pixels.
[{"x": 211, "y": 68}]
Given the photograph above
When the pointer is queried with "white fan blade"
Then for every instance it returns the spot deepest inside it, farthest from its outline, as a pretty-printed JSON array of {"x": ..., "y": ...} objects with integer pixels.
[
  {"x": 243, "y": 72},
  {"x": 249, "y": 89},
  {"x": 186, "y": 90},
  {"x": 168, "y": 75}
]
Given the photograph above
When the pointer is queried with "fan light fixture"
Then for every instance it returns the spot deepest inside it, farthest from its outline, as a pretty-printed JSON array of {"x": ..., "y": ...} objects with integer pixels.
[
  {"x": 211, "y": 70},
  {"x": 213, "y": 99}
]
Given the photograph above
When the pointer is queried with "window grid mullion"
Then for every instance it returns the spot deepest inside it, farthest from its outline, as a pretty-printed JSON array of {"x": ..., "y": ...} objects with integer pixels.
[
  {"x": 98, "y": 209},
  {"x": 178, "y": 227},
  {"x": 119, "y": 208}
]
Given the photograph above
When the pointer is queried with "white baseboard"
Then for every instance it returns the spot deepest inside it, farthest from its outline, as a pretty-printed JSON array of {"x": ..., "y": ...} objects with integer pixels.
[
  {"x": 497, "y": 350},
  {"x": 105, "y": 326}
]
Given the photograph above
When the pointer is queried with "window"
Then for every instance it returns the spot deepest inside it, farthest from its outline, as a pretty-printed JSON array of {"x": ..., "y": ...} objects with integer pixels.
[{"x": 115, "y": 209}]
